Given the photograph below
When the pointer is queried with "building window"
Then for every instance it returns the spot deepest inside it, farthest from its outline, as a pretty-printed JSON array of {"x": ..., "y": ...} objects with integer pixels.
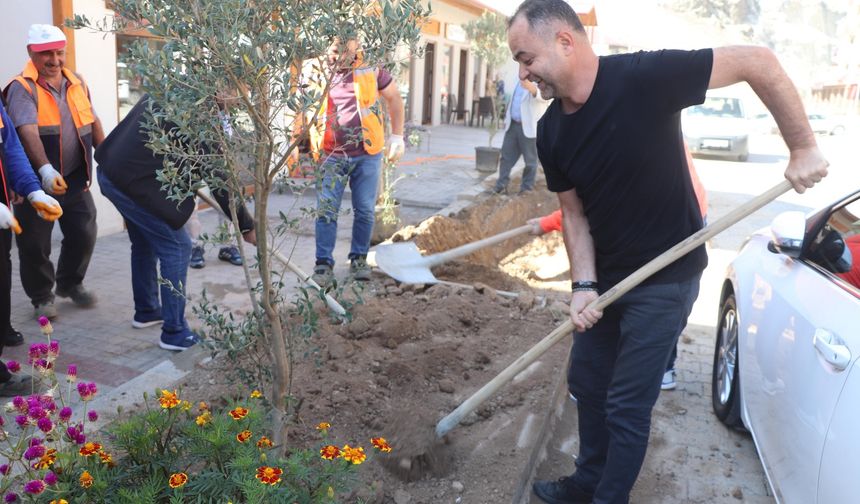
[{"x": 129, "y": 84}]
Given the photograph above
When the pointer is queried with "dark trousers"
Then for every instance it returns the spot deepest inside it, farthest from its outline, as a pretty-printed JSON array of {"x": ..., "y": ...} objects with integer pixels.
[
  {"x": 78, "y": 225},
  {"x": 514, "y": 145},
  {"x": 5, "y": 294},
  {"x": 616, "y": 369}
]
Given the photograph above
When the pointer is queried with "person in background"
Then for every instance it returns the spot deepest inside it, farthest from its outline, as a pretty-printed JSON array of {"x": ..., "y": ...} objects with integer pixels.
[
  {"x": 553, "y": 222},
  {"x": 55, "y": 120},
  {"x": 348, "y": 137},
  {"x": 521, "y": 119},
  {"x": 16, "y": 173},
  {"x": 227, "y": 253}
]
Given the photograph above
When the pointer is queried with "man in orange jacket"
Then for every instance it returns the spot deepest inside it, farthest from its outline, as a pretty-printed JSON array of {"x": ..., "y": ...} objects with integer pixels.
[{"x": 52, "y": 111}]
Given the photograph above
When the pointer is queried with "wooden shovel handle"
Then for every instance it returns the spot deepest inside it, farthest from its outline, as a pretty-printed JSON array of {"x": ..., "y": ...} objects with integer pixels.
[
  {"x": 464, "y": 250},
  {"x": 453, "y": 419}
]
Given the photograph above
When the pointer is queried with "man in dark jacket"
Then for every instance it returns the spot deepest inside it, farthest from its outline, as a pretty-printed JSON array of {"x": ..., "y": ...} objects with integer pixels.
[{"x": 127, "y": 175}]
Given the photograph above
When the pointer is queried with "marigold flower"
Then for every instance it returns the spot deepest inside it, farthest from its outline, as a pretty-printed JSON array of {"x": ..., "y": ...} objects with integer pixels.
[
  {"x": 323, "y": 426},
  {"x": 34, "y": 487},
  {"x": 243, "y": 436},
  {"x": 264, "y": 442},
  {"x": 203, "y": 418},
  {"x": 59, "y": 501},
  {"x": 238, "y": 413},
  {"x": 202, "y": 407},
  {"x": 46, "y": 460},
  {"x": 106, "y": 457},
  {"x": 185, "y": 405},
  {"x": 90, "y": 448},
  {"x": 86, "y": 479},
  {"x": 13, "y": 366},
  {"x": 177, "y": 480},
  {"x": 380, "y": 444},
  {"x": 330, "y": 452},
  {"x": 256, "y": 394},
  {"x": 168, "y": 399},
  {"x": 269, "y": 475},
  {"x": 355, "y": 455},
  {"x": 50, "y": 478}
]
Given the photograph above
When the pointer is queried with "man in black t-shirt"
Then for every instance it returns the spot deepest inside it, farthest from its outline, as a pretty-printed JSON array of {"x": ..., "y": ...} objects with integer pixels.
[{"x": 611, "y": 147}]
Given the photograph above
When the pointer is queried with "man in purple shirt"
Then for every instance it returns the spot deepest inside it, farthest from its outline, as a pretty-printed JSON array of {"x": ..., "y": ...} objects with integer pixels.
[{"x": 348, "y": 139}]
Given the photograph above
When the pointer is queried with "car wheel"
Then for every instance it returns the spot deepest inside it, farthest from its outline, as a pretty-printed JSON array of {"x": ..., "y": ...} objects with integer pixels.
[
  {"x": 725, "y": 381},
  {"x": 838, "y": 130},
  {"x": 743, "y": 158}
]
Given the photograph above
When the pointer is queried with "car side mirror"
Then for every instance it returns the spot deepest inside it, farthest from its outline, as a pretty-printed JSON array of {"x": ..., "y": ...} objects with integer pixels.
[{"x": 787, "y": 231}]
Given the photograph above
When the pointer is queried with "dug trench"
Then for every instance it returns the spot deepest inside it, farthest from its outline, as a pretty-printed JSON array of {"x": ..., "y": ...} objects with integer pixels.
[{"x": 418, "y": 351}]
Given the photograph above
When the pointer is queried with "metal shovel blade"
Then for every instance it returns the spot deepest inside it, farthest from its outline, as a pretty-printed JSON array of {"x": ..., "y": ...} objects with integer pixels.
[{"x": 403, "y": 262}]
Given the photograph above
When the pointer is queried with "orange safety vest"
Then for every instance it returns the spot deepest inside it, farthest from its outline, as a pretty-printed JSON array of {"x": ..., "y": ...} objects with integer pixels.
[
  {"x": 48, "y": 114},
  {"x": 3, "y": 165},
  {"x": 367, "y": 99}
]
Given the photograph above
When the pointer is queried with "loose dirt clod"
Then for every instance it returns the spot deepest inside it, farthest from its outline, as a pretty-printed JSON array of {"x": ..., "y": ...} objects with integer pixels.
[{"x": 417, "y": 451}]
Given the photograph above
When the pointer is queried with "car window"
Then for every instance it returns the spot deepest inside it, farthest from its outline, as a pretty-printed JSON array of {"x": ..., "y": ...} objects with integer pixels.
[
  {"x": 836, "y": 247},
  {"x": 717, "y": 107}
]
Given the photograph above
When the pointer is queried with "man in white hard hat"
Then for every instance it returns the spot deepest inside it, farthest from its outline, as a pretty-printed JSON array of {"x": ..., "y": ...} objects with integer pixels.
[{"x": 51, "y": 108}]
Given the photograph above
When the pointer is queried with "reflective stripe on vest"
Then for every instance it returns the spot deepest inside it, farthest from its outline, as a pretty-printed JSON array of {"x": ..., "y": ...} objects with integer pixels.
[
  {"x": 366, "y": 91},
  {"x": 49, "y": 119}
]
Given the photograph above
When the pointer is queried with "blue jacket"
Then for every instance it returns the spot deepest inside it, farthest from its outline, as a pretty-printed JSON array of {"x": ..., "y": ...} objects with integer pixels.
[{"x": 15, "y": 168}]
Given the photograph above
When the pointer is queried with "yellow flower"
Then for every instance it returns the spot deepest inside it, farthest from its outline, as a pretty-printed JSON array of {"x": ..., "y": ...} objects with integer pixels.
[
  {"x": 238, "y": 413},
  {"x": 243, "y": 436},
  {"x": 264, "y": 442},
  {"x": 46, "y": 460},
  {"x": 203, "y": 418},
  {"x": 177, "y": 480},
  {"x": 106, "y": 457},
  {"x": 269, "y": 475},
  {"x": 185, "y": 405},
  {"x": 256, "y": 394},
  {"x": 86, "y": 479},
  {"x": 202, "y": 407},
  {"x": 59, "y": 501},
  {"x": 168, "y": 399},
  {"x": 329, "y": 452},
  {"x": 323, "y": 426},
  {"x": 380, "y": 444},
  {"x": 355, "y": 455}
]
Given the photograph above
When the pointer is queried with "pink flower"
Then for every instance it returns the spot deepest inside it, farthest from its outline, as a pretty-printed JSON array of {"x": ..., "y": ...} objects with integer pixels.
[
  {"x": 92, "y": 415},
  {"x": 54, "y": 348},
  {"x": 13, "y": 366},
  {"x": 34, "y": 487},
  {"x": 11, "y": 497},
  {"x": 36, "y": 412},
  {"x": 87, "y": 390},
  {"x": 65, "y": 414},
  {"x": 43, "y": 321},
  {"x": 34, "y": 452},
  {"x": 35, "y": 441},
  {"x": 72, "y": 373},
  {"x": 21, "y": 420},
  {"x": 51, "y": 478},
  {"x": 45, "y": 424},
  {"x": 5, "y": 469},
  {"x": 20, "y": 404}
]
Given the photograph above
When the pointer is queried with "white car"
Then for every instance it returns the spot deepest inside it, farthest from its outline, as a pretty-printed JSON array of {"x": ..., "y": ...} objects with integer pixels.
[
  {"x": 787, "y": 345},
  {"x": 718, "y": 127}
]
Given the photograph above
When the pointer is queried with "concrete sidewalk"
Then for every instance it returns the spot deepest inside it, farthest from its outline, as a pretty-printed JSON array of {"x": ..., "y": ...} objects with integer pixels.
[{"x": 108, "y": 351}]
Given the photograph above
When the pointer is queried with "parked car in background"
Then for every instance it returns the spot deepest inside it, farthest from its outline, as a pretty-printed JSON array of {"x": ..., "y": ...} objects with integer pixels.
[
  {"x": 718, "y": 127},
  {"x": 788, "y": 340},
  {"x": 826, "y": 125}
]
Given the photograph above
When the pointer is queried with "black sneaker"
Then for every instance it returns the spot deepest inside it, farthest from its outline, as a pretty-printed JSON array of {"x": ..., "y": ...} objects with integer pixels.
[
  {"x": 231, "y": 255},
  {"x": 18, "y": 385},
  {"x": 13, "y": 338},
  {"x": 79, "y": 296},
  {"x": 323, "y": 275},
  {"x": 360, "y": 269},
  {"x": 197, "y": 261},
  {"x": 562, "y": 491}
]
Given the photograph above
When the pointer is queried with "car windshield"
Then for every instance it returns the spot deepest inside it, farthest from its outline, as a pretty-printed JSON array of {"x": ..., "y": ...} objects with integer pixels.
[{"x": 717, "y": 107}]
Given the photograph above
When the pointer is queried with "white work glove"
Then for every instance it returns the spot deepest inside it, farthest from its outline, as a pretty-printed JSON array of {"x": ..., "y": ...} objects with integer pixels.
[
  {"x": 7, "y": 220},
  {"x": 395, "y": 148},
  {"x": 52, "y": 181},
  {"x": 46, "y": 207}
]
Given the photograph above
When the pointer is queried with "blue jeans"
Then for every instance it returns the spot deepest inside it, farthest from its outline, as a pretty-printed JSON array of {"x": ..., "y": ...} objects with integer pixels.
[
  {"x": 151, "y": 239},
  {"x": 363, "y": 175},
  {"x": 615, "y": 373}
]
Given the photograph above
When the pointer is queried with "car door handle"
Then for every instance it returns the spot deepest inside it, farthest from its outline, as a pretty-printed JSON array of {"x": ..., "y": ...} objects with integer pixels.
[{"x": 831, "y": 349}]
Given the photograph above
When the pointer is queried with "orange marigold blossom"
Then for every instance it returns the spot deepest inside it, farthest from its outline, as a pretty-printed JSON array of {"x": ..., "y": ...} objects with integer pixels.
[
  {"x": 264, "y": 442},
  {"x": 177, "y": 480},
  {"x": 323, "y": 426},
  {"x": 59, "y": 501},
  {"x": 238, "y": 413},
  {"x": 243, "y": 436},
  {"x": 90, "y": 448},
  {"x": 185, "y": 405},
  {"x": 202, "y": 406},
  {"x": 203, "y": 418},
  {"x": 106, "y": 457},
  {"x": 46, "y": 460},
  {"x": 269, "y": 475},
  {"x": 256, "y": 394},
  {"x": 381, "y": 444},
  {"x": 168, "y": 399},
  {"x": 86, "y": 479},
  {"x": 329, "y": 452},
  {"x": 355, "y": 455}
]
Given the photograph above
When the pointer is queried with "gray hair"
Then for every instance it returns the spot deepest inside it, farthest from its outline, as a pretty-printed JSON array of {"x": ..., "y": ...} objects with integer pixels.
[{"x": 542, "y": 12}]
